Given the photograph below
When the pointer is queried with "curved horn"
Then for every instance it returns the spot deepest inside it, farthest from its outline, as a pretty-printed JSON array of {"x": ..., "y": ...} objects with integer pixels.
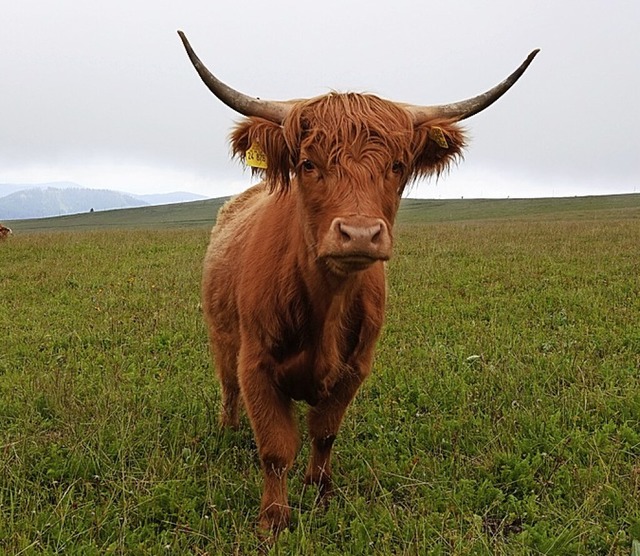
[
  {"x": 275, "y": 111},
  {"x": 466, "y": 108}
]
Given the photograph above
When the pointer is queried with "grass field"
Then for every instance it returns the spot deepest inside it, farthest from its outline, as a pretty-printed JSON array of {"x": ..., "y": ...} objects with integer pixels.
[{"x": 502, "y": 417}]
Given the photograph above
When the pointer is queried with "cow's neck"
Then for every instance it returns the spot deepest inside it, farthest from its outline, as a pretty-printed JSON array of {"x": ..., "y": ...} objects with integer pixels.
[{"x": 331, "y": 300}]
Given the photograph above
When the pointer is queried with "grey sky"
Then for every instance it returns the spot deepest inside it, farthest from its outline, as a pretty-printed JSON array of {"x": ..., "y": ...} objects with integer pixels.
[{"x": 102, "y": 93}]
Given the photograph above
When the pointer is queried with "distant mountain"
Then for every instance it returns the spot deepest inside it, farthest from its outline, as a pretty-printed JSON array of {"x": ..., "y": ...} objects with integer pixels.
[
  {"x": 53, "y": 201},
  {"x": 60, "y": 198}
]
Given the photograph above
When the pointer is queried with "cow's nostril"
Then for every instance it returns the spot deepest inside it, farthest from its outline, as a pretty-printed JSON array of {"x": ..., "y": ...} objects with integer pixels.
[
  {"x": 375, "y": 238},
  {"x": 344, "y": 234}
]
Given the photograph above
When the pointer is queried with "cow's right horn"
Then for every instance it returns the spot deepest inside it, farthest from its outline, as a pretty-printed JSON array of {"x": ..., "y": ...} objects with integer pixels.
[
  {"x": 272, "y": 110},
  {"x": 457, "y": 111}
]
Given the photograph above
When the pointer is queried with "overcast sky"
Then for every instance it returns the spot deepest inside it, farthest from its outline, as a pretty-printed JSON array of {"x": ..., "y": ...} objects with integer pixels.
[{"x": 102, "y": 93}]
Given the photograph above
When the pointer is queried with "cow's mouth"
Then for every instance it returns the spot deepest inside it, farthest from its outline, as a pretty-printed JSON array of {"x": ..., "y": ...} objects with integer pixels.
[{"x": 346, "y": 264}]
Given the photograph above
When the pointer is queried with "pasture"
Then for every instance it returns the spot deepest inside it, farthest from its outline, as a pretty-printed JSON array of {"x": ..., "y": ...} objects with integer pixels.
[{"x": 502, "y": 416}]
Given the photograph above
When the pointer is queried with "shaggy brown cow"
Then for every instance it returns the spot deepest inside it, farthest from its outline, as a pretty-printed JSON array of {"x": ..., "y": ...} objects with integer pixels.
[
  {"x": 4, "y": 232},
  {"x": 293, "y": 290}
]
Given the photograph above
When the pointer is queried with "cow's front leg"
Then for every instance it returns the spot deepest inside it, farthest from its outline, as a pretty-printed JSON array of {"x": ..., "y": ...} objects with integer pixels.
[
  {"x": 276, "y": 434},
  {"x": 324, "y": 422}
]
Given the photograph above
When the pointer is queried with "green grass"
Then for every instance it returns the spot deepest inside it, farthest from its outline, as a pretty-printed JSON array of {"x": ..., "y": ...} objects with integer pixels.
[{"x": 502, "y": 417}]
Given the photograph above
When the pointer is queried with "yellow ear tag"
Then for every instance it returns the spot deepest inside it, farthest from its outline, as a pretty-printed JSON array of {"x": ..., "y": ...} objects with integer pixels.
[
  {"x": 437, "y": 135},
  {"x": 255, "y": 157}
]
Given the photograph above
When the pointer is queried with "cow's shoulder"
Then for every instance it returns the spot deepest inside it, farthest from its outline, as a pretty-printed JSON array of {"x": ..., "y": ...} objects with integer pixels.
[{"x": 239, "y": 206}]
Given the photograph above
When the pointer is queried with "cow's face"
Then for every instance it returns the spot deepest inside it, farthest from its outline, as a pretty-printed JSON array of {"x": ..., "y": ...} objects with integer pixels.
[{"x": 349, "y": 157}]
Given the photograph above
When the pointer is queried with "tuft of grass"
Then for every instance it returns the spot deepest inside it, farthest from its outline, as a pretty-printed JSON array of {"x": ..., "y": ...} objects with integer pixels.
[{"x": 502, "y": 417}]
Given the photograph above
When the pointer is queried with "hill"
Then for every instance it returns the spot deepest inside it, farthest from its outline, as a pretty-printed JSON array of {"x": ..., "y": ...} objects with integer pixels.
[
  {"x": 169, "y": 198},
  {"x": 180, "y": 215},
  {"x": 53, "y": 201},
  {"x": 575, "y": 208},
  {"x": 202, "y": 213},
  {"x": 62, "y": 198}
]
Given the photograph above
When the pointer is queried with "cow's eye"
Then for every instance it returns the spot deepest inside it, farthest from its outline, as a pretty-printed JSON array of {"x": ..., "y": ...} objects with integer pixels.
[
  {"x": 398, "y": 167},
  {"x": 308, "y": 166}
]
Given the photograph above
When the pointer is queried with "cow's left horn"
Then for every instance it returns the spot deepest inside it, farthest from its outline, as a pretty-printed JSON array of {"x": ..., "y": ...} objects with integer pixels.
[
  {"x": 275, "y": 111},
  {"x": 466, "y": 108}
]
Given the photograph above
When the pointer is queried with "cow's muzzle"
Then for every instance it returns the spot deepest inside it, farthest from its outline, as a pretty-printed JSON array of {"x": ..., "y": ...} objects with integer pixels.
[{"x": 355, "y": 243}]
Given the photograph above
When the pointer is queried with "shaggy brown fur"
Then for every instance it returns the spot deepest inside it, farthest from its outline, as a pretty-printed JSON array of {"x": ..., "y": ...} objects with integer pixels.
[
  {"x": 294, "y": 282},
  {"x": 5, "y": 232}
]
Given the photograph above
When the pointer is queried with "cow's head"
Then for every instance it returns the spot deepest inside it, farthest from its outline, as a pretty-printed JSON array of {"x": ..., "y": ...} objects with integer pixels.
[{"x": 349, "y": 157}]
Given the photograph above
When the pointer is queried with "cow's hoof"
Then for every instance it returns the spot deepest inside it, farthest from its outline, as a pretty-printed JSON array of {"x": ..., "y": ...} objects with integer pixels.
[
  {"x": 323, "y": 482},
  {"x": 274, "y": 519}
]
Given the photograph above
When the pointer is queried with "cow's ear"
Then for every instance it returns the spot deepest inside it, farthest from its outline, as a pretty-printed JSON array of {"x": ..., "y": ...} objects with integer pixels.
[
  {"x": 260, "y": 144},
  {"x": 437, "y": 145}
]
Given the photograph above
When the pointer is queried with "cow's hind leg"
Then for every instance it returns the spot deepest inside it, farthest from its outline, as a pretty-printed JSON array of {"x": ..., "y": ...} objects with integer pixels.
[
  {"x": 226, "y": 360},
  {"x": 324, "y": 422},
  {"x": 276, "y": 434}
]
